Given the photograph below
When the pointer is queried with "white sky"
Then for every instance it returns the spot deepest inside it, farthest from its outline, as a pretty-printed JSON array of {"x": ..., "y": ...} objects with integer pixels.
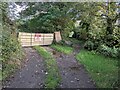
[{"x": 17, "y": 9}]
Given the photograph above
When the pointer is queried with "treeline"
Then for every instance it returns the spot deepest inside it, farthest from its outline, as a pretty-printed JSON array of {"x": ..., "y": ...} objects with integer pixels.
[{"x": 98, "y": 23}]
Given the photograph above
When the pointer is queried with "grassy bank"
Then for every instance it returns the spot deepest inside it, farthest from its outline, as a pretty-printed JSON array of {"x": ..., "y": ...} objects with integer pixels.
[
  {"x": 12, "y": 61},
  {"x": 63, "y": 49},
  {"x": 103, "y": 70},
  {"x": 52, "y": 78}
]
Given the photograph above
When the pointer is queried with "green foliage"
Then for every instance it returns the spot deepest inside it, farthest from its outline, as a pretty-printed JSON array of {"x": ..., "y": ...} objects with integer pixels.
[
  {"x": 68, "y": 27},
  {"x": 97, "y": 21},
  {"x": 97, "y": 26},
  {"x": 55, "y": 18},
  {"x": 103, "y": 70},
  {"x": 10, "y": 48},
  {"x": 107, "y": 51},
  {"x": 112, "y": 40},
  {"x": 62, "y": 48},
  {"x": 89, "y": 45},
  {"x": 12, "y": 53},
  {"x": 53, "y": 77},
  {"x": 80, "y": 33}
]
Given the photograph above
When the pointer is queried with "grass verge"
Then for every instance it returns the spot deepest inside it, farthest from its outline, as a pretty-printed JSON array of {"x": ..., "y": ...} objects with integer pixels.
[
  {"x": 11, "y": 65},
  {"x": 52, "y": 78},
  {"x": 63, "y": 49},
  {"x": 103, "y": 70}
]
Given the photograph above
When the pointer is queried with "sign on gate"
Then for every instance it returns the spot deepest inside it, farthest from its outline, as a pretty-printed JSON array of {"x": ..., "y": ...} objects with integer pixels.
[{"x": 37, "y": 37}]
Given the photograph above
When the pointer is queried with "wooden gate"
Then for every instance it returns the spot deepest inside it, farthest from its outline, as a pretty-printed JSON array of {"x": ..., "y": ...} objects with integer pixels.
[{"x": 33, "y": 39}]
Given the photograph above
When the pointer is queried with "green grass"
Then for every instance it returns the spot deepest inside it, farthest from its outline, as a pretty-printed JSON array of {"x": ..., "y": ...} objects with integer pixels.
[
  {"x": 53, "y": 77},
  {"x": 103, "y": 70},
  {"x": 63, "y": 49}
]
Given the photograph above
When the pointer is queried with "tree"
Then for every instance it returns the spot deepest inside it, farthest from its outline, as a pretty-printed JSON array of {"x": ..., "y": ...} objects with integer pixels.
[{"x": 47, "y": 17}]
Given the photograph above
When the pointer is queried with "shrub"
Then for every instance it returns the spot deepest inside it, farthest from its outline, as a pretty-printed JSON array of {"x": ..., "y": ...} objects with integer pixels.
[
  {"x": 10, "y": 47},
  {"x": 11, "y": 51},
  {"x": 80, "y": 33},
  {"x": 107, "y": 51},
  {"x": 89, "y": 45},
  {"x": 112, "y": 40}
]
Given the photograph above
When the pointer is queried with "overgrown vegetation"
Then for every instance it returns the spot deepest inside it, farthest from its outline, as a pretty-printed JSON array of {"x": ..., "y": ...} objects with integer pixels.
[
  {"x": 107, "y": 51},
  {"x": 103, "y": 70},
  {"x": 52, "y": 77},
  {"x": 98, "y": 22},
  {"x": 11, "y": 50},
  {"x": 62, "y": 48},
  {"x": 12, "y": 55},
  {"x": 98, "y": 27},
  {"x": 47, "y": 17}
]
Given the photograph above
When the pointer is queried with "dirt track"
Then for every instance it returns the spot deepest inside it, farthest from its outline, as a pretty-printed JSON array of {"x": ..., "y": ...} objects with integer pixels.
[
  {"x": 72, "y": 73},
  {"x": 32, "y": 75}
]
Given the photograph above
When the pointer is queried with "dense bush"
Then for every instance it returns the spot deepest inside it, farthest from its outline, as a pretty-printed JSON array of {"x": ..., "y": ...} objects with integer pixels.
[
  {"x": 10, "y": 44},
  {"x": 107, "y": 51},
  {"x": 89, "y": 45},
  {"x": 80, "y": 33},
  {"x": 102, "y": 48},
  {"x": 11, "y": 51},
  {"x": 112, "y": 40}
]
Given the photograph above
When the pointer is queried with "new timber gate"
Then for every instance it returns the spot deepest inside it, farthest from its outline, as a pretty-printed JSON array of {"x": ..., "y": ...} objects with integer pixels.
[{"x": 33, "y": 39}]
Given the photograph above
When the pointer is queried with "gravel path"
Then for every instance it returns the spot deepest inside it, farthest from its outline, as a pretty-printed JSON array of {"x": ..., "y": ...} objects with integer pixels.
[
  {"x": 72, "y": 73},
  {"x": 31, "y": 75}
]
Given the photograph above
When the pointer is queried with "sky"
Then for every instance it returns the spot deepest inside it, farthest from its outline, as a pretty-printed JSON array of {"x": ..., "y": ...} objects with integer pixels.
[{"x": 15, "y": 9}]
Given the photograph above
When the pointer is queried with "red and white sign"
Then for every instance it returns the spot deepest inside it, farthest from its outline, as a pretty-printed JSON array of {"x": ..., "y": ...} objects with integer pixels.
[{"x": 37, "y": 37}]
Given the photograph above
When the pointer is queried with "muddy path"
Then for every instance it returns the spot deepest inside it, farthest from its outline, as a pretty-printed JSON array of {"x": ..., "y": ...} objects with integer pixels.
[
  {"x": 31, "y": 75},
  {"x": 73, "y": 74}
]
